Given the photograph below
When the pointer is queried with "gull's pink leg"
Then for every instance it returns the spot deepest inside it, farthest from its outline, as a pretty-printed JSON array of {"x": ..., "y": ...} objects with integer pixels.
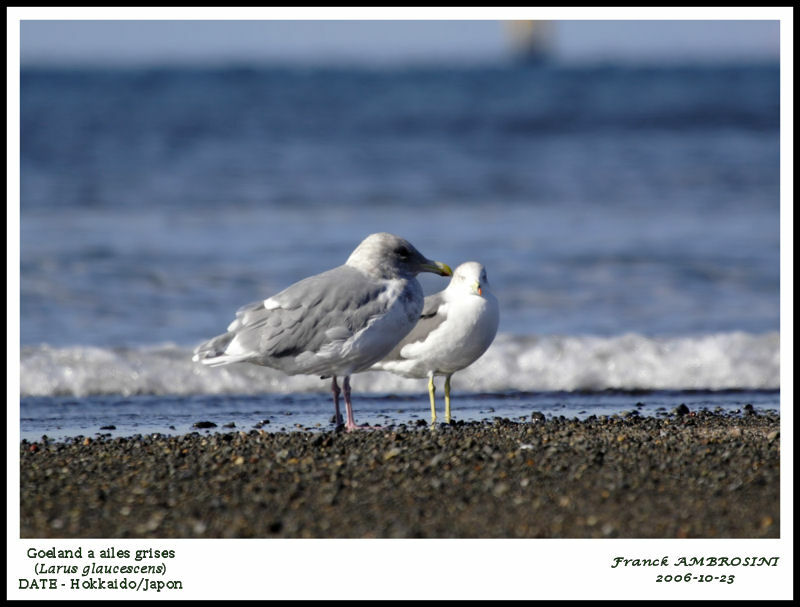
[
  {"x": 351, "y": 423},
  {"x": 337, "y": 418}
]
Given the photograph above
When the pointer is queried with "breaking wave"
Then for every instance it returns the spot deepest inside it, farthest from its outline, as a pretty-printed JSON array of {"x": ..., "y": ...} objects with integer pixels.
[{"x": 718, "y": 361}]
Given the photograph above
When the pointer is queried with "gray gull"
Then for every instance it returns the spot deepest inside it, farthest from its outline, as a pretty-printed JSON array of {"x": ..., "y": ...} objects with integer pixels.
[{"x": 336, "y": 323}]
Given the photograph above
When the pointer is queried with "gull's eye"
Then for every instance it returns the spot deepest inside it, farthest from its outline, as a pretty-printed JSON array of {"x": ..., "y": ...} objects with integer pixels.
[{"x": 403, "y": 252}]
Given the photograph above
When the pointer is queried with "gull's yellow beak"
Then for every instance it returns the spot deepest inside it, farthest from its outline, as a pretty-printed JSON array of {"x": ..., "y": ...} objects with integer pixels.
[
  {"x": 437, "y": 267},
  {"x": 477, "y": 287}
]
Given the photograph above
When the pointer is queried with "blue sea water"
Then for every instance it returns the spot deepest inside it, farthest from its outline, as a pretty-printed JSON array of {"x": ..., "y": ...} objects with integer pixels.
[{"x": 628, "y": 218}]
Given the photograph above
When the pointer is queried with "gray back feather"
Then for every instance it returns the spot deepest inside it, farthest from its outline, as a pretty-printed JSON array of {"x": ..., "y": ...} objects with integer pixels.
[{"x": 319, "y": 309}]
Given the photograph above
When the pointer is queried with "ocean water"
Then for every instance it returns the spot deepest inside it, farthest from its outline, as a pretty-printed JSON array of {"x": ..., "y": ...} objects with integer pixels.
[{"x": 628, "y": 218}]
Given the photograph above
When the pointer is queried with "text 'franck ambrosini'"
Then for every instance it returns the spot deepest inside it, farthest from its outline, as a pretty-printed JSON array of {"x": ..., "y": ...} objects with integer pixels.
[{"x": 698, "y": 561}]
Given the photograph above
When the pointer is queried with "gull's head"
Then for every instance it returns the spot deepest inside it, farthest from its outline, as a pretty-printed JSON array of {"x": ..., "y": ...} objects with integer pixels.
[
  {"x": 470, "y": 277},
  {"x": 388, "y": 256}
]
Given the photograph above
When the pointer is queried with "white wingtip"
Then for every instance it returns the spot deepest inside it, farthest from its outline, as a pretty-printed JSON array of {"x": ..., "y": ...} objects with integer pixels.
[{"x": 218, "y": 361}]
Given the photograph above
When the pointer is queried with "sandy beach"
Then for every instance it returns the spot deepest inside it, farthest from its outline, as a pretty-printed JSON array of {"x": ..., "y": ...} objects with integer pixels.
[{"x": 682, "y": 475}]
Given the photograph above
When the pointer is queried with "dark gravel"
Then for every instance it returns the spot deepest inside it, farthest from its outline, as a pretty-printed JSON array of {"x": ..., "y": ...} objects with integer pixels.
[{"x": 690, "y": 475}]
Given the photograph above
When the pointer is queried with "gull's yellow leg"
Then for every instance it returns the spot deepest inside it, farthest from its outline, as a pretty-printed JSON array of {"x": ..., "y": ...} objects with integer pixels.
[
  {"x": 431, "y": 392},
  {"x": 447, "y": 399}
]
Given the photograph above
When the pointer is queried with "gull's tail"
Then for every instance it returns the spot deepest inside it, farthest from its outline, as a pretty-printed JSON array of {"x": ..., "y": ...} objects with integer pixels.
[{"x": 213, "y": 352}]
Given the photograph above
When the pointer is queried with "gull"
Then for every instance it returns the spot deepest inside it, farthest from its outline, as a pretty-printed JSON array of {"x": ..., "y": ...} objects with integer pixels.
[
  {"x": 456, "y": 327},
  {"x": 335, "y": 323}
]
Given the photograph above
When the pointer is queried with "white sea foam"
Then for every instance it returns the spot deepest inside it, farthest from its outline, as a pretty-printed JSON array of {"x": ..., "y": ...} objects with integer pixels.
[{"x": 717, "y": 361}]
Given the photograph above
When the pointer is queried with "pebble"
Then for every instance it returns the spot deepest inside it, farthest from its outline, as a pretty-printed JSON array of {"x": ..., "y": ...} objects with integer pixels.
[{"x": 681, "y": 409}]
